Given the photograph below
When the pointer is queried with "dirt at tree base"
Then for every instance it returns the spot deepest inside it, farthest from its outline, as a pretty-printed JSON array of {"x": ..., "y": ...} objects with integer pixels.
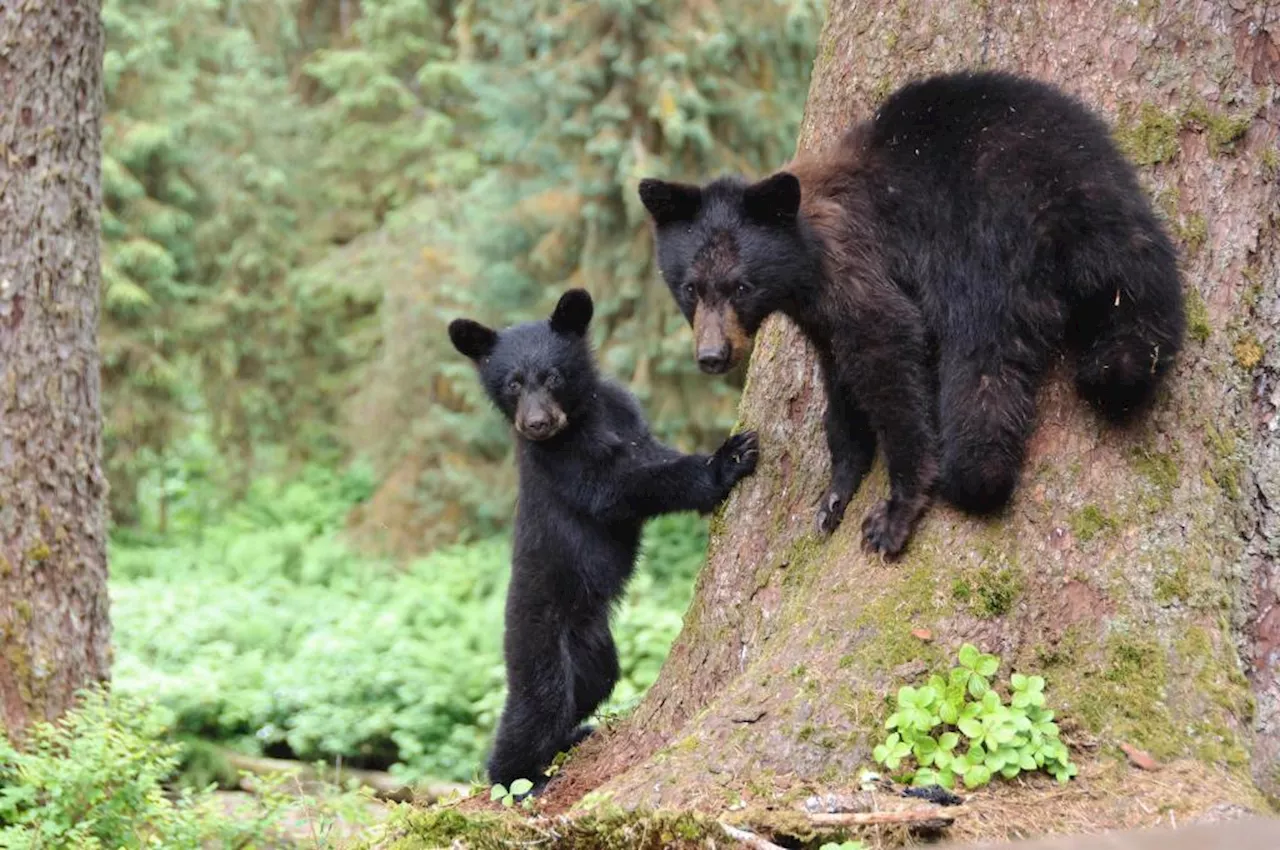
[{"x": 1109, "y": 795}]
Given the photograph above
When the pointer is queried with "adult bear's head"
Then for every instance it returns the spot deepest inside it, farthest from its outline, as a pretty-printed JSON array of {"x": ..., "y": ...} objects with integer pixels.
[{"x": 730, "y": 252}]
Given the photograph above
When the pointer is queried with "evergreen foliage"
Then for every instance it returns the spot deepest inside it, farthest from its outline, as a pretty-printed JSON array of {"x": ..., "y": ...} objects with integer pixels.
[{"x": 299, "y": 193}]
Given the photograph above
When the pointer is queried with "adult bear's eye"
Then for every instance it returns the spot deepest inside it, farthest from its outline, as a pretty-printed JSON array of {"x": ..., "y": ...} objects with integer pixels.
[
  {"x": 689, "y": 288},
  {"x": 742, "y": 289},
  {"x": 514, "y": 385}
]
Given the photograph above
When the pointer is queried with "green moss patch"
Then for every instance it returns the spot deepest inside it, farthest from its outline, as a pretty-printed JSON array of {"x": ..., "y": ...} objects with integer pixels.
[
  {"x": 1088, "y": 522},
  {"x": 1150, "y": 137},
  {"x": 1198, "y": 327},
  {"x": 612, "y": 829}
]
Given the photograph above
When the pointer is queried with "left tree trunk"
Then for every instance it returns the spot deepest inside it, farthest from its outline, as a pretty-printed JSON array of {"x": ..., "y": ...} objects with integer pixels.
[{"x": 54, "y": 629}]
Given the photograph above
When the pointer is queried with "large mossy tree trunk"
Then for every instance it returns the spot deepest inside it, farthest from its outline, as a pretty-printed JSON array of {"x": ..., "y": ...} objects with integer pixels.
[
  {"x": 1136, "y": 571},
  {"x": 54, "y": 630}
]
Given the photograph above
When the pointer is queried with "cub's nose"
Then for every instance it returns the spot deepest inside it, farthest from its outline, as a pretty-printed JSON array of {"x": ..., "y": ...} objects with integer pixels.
[
  {"x": 714, "y": 361},
  {"x": 537, "y": 425}
]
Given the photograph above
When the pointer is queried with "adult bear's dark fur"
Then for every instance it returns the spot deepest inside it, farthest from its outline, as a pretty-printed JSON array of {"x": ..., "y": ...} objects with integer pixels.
[
  {"x": 590, "y": 475},
  {"x": 937, "y": 257}
]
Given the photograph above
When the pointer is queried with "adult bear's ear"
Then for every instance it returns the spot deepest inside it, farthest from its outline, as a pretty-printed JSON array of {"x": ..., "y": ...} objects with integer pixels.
[
  {"x": 775, "y": 198},
  {"x": 572, "y": 313},
  {"x": 472, "y": 338},
  {"x": 668, "y": 202}
]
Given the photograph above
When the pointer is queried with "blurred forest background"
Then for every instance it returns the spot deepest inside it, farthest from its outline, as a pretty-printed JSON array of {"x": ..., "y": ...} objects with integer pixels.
[{"x": 309, "y": 495}]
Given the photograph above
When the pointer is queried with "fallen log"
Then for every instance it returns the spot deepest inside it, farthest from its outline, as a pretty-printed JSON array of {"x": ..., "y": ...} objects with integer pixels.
[{"x": 384, "y": 785}]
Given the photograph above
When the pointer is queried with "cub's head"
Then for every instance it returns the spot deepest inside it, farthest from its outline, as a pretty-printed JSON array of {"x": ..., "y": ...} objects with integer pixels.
[
  {"x": 728, "y": 251},
  {"x": 539, "y": 374}
]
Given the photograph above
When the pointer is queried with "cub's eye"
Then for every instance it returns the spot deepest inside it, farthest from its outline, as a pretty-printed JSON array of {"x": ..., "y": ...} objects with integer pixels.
[
  {"x": 742, "y": 289},
  {"x": 689, "y": 289},
  {"x": 514, "y": 385}
]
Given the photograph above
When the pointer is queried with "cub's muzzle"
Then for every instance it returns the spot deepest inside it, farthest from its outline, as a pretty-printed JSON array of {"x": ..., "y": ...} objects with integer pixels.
[{"x": 538, "y": 417}]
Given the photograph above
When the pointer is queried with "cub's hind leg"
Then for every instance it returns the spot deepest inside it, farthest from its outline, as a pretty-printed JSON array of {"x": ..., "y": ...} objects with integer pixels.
[
  {"x": 986, "y": 411},
  {"x": 595, "y": 672},
  {"x": 1127, "y": 332}
]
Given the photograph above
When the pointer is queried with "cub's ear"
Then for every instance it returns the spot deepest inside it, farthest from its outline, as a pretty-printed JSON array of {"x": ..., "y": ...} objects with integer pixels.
[
  {"x": 572, "y": 313},
  {"x": 668, "y": 202},
  {"x": 472, "y": 338},
  {"x": 775, "y": 198}
]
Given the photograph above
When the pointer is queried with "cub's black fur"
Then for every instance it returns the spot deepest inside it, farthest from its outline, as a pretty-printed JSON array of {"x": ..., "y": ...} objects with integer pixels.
[
  {"x": 937, "y": 258},
  {"x": 590, "y": 475}
]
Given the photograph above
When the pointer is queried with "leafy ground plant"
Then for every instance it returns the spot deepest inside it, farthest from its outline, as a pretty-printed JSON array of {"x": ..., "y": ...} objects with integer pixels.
[
  {"x": 97, "y": 779},
  {"x": 958, "y": 727},
  {"x": 507, "y": 796}
]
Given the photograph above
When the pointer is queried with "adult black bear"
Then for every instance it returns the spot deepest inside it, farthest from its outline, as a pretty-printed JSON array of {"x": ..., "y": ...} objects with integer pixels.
[
  {"x": 590, "y": 475},
  {"x": 937, "y": 258}
]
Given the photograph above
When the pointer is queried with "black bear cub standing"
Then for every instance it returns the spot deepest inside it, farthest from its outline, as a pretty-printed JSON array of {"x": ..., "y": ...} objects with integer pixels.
[
  {"x": 590, "y": 475},
  {"x": 937, "y": 258}
]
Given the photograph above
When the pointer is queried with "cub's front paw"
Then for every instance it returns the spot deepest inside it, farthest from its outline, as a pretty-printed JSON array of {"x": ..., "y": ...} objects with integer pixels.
[
  {"x": 737, "y": 456},
  {"x": 831, "y": 511},
  {"x": 885, "y": 529}
]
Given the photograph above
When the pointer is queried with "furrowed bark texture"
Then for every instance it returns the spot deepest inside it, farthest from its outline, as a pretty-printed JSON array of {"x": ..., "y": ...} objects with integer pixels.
[
  {"x": 54, "y": 631},
  {"x": 1136, "y": 571}
]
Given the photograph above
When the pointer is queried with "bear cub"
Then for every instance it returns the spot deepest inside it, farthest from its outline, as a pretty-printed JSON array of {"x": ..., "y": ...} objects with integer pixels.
[
  {"x": 937, "y": 257},
  {"x": 590, "y": 474}
]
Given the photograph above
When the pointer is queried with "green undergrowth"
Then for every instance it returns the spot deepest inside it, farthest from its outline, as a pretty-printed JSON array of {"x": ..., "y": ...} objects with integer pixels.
[
  {"x": 264, "y": 631},
  {"x": 100, "y": 778},
  {"x": 958, "y": 729}
]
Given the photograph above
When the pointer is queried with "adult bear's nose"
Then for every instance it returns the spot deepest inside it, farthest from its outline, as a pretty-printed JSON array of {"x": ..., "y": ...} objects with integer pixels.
[{"x": 714, "y": 360}]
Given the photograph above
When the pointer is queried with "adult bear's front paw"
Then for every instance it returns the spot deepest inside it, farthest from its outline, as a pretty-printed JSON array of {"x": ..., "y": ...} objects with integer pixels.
[{"x": 737, "y": 457}]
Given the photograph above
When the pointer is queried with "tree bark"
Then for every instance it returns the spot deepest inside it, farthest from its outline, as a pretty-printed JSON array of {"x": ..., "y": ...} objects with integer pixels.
[
  {"x": 54, "y": 629},
  {"x": 1135, "y": 570}
]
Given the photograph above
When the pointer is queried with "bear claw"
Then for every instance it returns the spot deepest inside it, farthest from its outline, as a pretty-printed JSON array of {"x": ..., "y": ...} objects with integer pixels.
[{"x": 831, "y": 512}]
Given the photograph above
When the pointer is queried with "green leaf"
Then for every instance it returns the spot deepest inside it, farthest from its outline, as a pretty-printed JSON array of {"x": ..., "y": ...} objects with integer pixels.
[
  {"x": 1018, "y": 681},
  {"x": 977, "y": 686},
  {"x": 948, "y": 741},
  {"x": 987, "y": 666},
  {"x": 497, "y": 792},
  {"x": 971, "y": 727},
  {"x": 925, "y": 749},
  {"x": 948, "y": 712},
  {"x": 524, "y": 786},
  {"x": 977, "y": 776},
  {"x": 1026, "y": 760},
  {"x": 969, "y": 656},
  {"x": 1009, "y": 771}
]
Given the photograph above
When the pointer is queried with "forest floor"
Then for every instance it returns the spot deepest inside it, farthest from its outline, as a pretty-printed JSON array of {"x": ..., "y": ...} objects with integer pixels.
[{"x": 1109, "y": 795}]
